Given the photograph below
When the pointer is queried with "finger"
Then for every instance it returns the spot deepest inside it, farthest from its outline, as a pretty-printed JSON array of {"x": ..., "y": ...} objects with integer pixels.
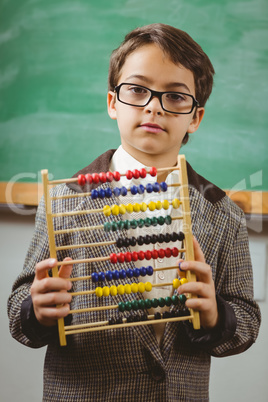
[
  {"x": 198, "y": 253},
  {"x": 199, "y": 289},
  {"x": 202, "y": 270},
  {"x": 66, "y": 270},
  {"x": 47, "y": 285},
  {"x": 52, "y": 299},
  {"x": 49, "y": 316},
  {"x": 43, "y": 267}
]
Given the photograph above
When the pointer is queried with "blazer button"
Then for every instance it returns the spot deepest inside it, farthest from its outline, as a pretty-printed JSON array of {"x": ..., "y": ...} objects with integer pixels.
[{"x": 158, "y": 374}]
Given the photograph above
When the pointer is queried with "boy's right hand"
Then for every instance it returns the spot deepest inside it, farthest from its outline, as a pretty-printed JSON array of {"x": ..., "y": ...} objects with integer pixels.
[{"x": 50, "y": 298}]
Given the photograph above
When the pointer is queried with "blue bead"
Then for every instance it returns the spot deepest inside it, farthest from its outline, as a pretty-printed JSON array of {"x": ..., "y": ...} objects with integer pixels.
[
  {"x": 95, "y": 277},
  {"x": 133, "y": 190},
  {"x": 108, "y": 192},
  {"x": 156, "y": 187},
  {"x": 140, "y": 189},
  {"x": 143, "y": 271},
  {"x": 163, "y": 186},
  {"x": 149, "y": 188},
  {"x": 122, "y": 274},
  {"x": 94, "y": 194},
  {"x": 149, "y": 270},
  {"x": 102, "y": 193},
  {"x": 117, "y": 191},
  {"x": 115, "y": 275},
  {"x": 129, "y": 273},
  {"x": 136, "y": 272},
  {"x": 123, "y": 191},
  {"x": 102, "y": 276},
  {"x": 109, "y": 275}
]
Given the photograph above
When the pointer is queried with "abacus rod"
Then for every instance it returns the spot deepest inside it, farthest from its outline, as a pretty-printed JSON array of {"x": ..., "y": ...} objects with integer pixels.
[
  {"x": 129, "y": 324},
  {"x": 105, "y": 243},
  {"x": 90, "y": 309}
]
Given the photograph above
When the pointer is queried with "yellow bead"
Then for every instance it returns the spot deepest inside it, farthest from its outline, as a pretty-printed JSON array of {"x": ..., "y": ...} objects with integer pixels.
[
  {"x": 127, "y": 288},
  {"x": 99, "y": 292},
  {"x": 148, "y": 286},
  {"x": 134, "y": 288},
  {"x": 121, "y": 289},
  {"x": 107, "y": 210},
  {"x": 151, "y": 206},
  {"x": 183, "y": 281},
  {"x": 113, "y": 290},
  {"x": 141, "y": 287},
  {"x": 176, "y": 283},
  {"x": 122, "y": 209},
  {"x": 158, "y": 205},
  {"x": 106, "y": 291},
  {"x": 143, "y": 206},
  {"x": 165, "y": 204},
  {"x": 136, "y": 207},
  {"x": 129, "y": 208},
  {"x": 176, "y": 203},
  {"x": 115, "y": 209}
]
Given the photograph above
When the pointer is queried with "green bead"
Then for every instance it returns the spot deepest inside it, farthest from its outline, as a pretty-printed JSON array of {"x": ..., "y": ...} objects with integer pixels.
[
  {"x": 121, "y": 306},
  {"x": 161, "y": 220},
  {"x": 141, "y": 304},
  {"x": 133, "y": 224},
  {"x": 148, "y": 303},
  {"x": 168, "y": 301},
  {"x": 141, "y": 223},
  {"x": 182, "y": 298},
  {"x": 128, "y": 306},
  {"x": 107, "y": 226},
  {"x": 114, "y": 226},
  {"x": 154, "y": 221},
  {"x": 148, "y": 222},
  {"x": 121, "y": 225},
  {"x": 135, "y": 305},
  {"x": 168, "y": 219},
  {"x": 161, "y": 302},
  {"x": 175, "y": 300},
  {"x": 127, "y": 225},
  {"x": 154, "y": 302}
]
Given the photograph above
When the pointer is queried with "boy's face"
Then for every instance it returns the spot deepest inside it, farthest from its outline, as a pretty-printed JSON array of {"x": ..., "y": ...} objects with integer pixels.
[{"x": 150, "y": 134}]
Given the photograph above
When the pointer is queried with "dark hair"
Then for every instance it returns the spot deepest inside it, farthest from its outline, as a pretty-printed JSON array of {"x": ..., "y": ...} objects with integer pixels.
[{"x": 177, "y": 45}]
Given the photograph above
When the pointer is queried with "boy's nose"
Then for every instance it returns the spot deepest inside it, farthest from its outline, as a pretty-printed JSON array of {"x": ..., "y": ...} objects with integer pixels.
[{"x": 154, "y": 106}]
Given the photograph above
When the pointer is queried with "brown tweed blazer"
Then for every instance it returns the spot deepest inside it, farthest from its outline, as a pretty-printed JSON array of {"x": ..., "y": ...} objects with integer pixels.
[{"x": 129, "y": 364}]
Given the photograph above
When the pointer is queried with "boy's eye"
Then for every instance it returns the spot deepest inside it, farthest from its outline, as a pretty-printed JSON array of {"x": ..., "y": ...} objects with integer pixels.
[
  {"x": 138, "y": 90},
  {"x": 175, "y": 97}
]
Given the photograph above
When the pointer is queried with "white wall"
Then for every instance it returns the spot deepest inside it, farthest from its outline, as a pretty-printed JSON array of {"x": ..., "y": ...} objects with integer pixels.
[{"x": 237, "y": 378}]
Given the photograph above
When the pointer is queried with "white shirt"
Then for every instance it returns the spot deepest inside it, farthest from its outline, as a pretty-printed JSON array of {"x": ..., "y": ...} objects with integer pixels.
[{"x": 121, "y": 162}]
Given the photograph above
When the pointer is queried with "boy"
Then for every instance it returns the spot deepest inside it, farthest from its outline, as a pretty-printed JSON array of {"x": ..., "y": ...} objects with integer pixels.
[{"x": 159, "y": 82}]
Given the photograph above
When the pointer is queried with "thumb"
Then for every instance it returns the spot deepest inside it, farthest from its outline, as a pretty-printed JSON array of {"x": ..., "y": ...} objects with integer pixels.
[{"x": 66, "y": 270}]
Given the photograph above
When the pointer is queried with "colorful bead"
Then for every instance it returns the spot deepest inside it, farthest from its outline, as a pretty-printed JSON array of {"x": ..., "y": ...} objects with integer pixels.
[
  {"x": 143, "y": 206},
  {"x": 176, "y": 203},
  {"x": 168, "y": 301},
  {"x": 158, "y": 205},
  {"x": 141, "y": 287},
  {"x": 141, "y": 255},
  {"x": 148, "y": 303},
  {"x": 136, "y": 207},
  {"x": 81, "y": 180},
  {"x": 116, "y": 176},
  {"x": 156, "y": 187},
  {"x": 121, "y": 307},
  {"x": 109, "y": 275},
  {"x": 113, "y": 290},
  {"x": 122, "y": 209},
  {"x": 175, "y": 300},
  {"x": 103, "y": 177},
  {"x": 140, "y": 189},
  {"x": 168, "y": 220},
  {"x": 109, "y": 177},
  {"x": 148, "y": 286},
  {"x": 165, "y": 204},
  {"x": 99, "y": 292},
  {"x": 133, "y": 224},
  {"x": 141, "y": 304},
  {"x": 143, "y": 173},
  {"x": 127, "y": 289},
  {"x": 123, "y": 191},
  {"x": 149, "y": 270},
  {"x": 128, "y": 306},
  {"x": 161, "y": 253},
  {"x": 151, "y": 205},
  {"x": 168, "y": 252},
  {"x": 163, "y": 186},
  {"x": 122, "y": 272},
  {"x": 114, "y": 226},
  {"x": 154, "y": 221},
  {"x": 154, "y": 254},
  {"x": 117, "y": 191},
  {"x": 107, "y": 210},
  {"x": 175, "y": 252},
  {"x": 176, "y": 283},
  {"x": 134, "y": 288},
  {"x": 129, "y": 174},
  {"x": 95, "y": 178},
  {"x": 108, "y": 192},
  {"x": 148, "y": 222},
  {"x": 120, "y": 289},
  {"x": 102, "y": 193},
  {"x": 141, "y": 223},
  {"x": 136, "y": 174},
  {"x": 106, "y": 291},
  {"x": 182, "y": 298},
  {"x": 161, "y": 302},
  {"x": 120, "y": 258},
  {"x": 129, "y": 208},
  {"x": 94, "y": 277},
  {"x": 134, "y": 256},
  {"x": 133, "y": 190},
  {"x": 128, "y": 256},
  {"x": 148, "y": 254},
  {"x": 153, "y": 171},
  {"x": 154, "y": 302},
  {"x": 101, "y": 276},
  {"x": 134, "y": 305},
  {"x": 129, "y": 273},
  {"x": 143, "y": 271},
  {"x": 113, "y": 258},
  {"x": 89, "y": 179},
  {"x": 149, "y": 188},
  {"x": 115, "y": 275},
  {"x": 183, "y": 281},
  {"x": 180, "y": 236},
  {"x": 115, "y": 209}
]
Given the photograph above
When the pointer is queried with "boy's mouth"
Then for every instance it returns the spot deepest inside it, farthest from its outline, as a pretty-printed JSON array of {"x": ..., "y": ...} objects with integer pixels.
[{"x": 152, "y": 128}]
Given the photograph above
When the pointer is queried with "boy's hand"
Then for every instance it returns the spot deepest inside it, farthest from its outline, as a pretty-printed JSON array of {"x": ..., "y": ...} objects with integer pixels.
[
  {"x": 204, "y": 288},
  {"x": 48, "y": 292}
]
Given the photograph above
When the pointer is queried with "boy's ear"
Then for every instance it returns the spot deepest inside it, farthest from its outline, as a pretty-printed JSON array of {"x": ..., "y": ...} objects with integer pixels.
[
  {"x": 111, "y": 105},
  {"x": 199, "y": 114}
]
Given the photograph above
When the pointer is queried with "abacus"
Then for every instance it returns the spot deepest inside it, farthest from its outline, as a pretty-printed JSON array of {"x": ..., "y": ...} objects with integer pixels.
[{"x": 100, "y": 292}]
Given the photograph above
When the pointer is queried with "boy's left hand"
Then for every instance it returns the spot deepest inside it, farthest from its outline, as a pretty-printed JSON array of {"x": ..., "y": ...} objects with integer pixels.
[{"x": 204, "y": 288}]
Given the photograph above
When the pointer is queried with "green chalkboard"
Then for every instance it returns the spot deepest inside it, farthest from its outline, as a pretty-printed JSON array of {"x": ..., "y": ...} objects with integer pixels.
[{"x": 54, "y": 59}]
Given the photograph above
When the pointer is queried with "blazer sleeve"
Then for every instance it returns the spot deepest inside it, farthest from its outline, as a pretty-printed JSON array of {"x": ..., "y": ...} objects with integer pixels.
[
  {"x": 22, "y": 322},
  {"x": 239, "y": 314}
]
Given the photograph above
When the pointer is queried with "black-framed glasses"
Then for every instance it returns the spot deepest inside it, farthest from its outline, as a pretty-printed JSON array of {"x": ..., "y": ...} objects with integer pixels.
[{"x": 140, "y": 96}]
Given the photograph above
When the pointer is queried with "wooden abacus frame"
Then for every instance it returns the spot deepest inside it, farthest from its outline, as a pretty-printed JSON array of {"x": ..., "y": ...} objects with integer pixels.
[{"x": 188, "y": 251}]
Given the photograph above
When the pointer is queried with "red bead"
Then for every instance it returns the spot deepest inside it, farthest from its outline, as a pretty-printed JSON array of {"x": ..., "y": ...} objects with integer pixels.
[
  {"x": 81, "y": 180},
  {"x": 168, "y": 252},
  {"x": 148, "y": 255},
  {"x": 141, "y": 255},
  {"x": 154, "y": 254},
  {"x": 121, "y": 257},
  {"x": 136, "y": 174},
  {"x": 175, "y": 252},
  {"x": 129, "y": 174},
  {"x": 109, "y": 176},
  {"x": 117, "y": 176},
  {"x": 89, "y": 178},
  {"x": 113, "y": 258},
  {"x": 134, "y": 256},
  {"x": 161, "y": 253},
  {"x": 103, "y": 177},
  {"x": 153, "y": 171},
  {"x": 128, "y": 256},
  {"x": 95, "y": 178},
  {"x": 143, "y": 173}
]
